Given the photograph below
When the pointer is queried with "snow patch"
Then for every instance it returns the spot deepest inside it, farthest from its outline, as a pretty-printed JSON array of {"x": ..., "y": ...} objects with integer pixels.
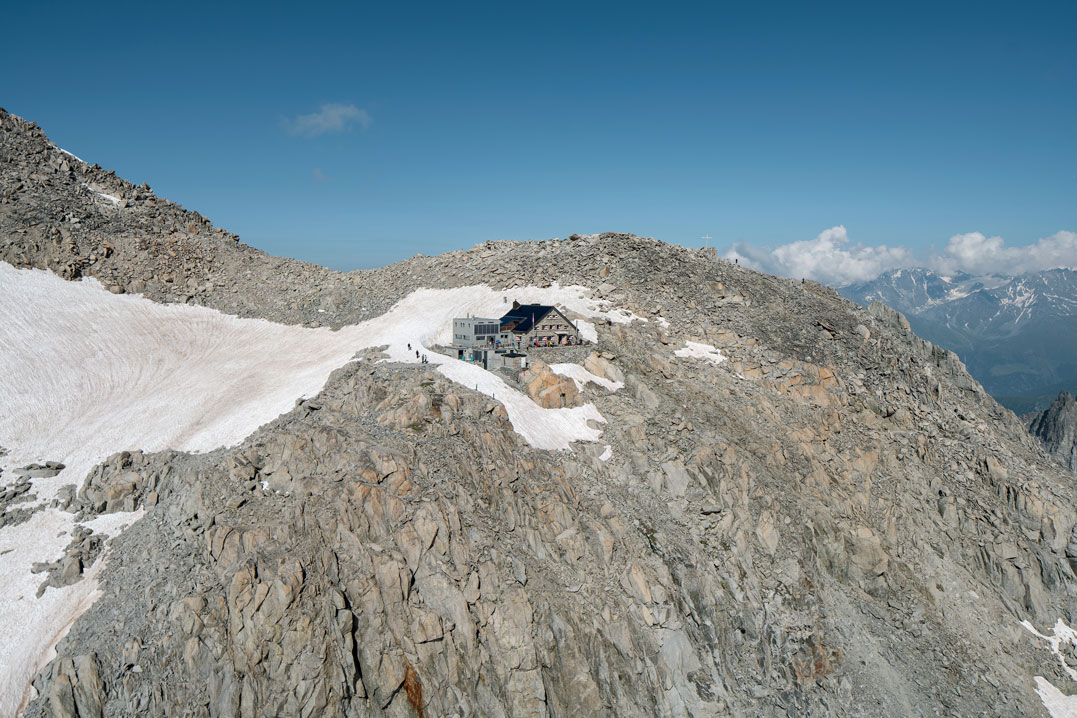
[
  {"x": 113, "y": 524},
  {"x": 103, "y": 195},
  {"x": 85, "y": 373},
  {"x": 607, "y": 454},
  {"x": 695, "y": 350},
  {"x": 553, "y": 429},
  {"x": 33, "y": 626},
  {"x": 1057, "y": 703},
  {"x": 582, "y": 377},
  {"x": 71, "y": 154}
]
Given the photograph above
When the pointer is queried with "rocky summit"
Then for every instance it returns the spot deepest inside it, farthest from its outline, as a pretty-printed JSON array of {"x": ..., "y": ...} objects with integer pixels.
[
  {"x": 1056, "y": 427},
  {"x": 781, "y": 504}
]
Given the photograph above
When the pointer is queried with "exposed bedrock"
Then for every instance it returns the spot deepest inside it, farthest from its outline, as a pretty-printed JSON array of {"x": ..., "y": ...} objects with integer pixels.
[
  {"x": 832, "y": 520},
  {"x": 1056, "y": 428},
  {"x": 790, "y": 543}
]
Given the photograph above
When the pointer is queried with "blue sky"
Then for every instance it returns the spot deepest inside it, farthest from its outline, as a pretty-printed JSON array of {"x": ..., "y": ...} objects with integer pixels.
[{"x": 431, "y": 127}]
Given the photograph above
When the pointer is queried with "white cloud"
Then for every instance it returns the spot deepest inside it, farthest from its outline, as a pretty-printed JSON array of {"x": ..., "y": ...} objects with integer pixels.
[
  {"x": 977, "y": 254},
  {"x": 831, "y": 259},
  {"x": 330, "y": 117}
]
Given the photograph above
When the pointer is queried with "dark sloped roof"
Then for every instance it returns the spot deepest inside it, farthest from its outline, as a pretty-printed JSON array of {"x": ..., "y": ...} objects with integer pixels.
[{"x": 522, "y": 318}]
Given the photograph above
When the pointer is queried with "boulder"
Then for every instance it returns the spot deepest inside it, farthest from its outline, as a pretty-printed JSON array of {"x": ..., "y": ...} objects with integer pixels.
[{"x": 547, "y": 389}]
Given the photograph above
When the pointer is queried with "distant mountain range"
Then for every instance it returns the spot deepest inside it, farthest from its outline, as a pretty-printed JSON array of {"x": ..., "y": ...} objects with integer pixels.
[{"x": 1016, "y": 334}]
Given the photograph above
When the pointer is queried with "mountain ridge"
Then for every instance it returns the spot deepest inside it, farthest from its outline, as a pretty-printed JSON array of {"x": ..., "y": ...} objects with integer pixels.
[
  {"x": 1017, "y": 334},
  {"x": 822, "y": 514},
  {"x": 1056, "y": 427}
]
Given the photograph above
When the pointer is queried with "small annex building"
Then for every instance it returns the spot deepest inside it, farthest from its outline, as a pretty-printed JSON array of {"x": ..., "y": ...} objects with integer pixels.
[
  {"x": 480, "y": 340},
  {"x": 474, "y": 332},
  {"x": 539, "y": 325}
]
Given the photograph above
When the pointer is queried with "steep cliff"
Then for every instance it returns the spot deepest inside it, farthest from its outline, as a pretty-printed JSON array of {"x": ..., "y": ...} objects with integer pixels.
[{"x": 1056, "y": 427}]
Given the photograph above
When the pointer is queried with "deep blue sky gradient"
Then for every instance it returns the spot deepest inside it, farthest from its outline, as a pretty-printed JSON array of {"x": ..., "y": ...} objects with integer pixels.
[{"x": 761, "y": 122}]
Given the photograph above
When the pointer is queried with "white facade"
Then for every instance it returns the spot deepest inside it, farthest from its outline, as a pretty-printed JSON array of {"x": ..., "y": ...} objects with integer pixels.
[{"x": 478, "y": 332}]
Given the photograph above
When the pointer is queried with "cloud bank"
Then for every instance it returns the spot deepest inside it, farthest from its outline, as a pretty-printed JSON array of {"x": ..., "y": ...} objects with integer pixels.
[
  {"x": 831, "y": 258},
  {"x": 330, "y": 117},
  {"x": 976, "y": 254}
]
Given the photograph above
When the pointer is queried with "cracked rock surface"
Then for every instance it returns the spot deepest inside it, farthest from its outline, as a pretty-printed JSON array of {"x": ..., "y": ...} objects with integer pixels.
[
  {"x": 834, "y": 520},
  {"x": 1056, "y": 428}
]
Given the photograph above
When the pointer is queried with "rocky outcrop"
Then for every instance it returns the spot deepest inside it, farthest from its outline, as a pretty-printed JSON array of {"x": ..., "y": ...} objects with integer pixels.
[
  {"x": 75, "y": 688},
  {"x": 547, "y": 389},
  {"x": 121, "y": 483},
  {"x": 79, "y": 555},
  {"x": 754, "y": 547},
  {"x": 835, "y": 520},
  {"x": 1056, "y": 428},
  {"x": 603, "y": 367},
  {"x": 13, "y": 500}
]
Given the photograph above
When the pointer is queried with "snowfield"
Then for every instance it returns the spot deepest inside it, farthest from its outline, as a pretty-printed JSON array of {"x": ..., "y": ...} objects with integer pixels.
[
  {"x": 695, "y": 350},
  {"x": 581, "y": 376},
  {"x": 1057, "y": 703},
  {"x": 85, "y": 373}
]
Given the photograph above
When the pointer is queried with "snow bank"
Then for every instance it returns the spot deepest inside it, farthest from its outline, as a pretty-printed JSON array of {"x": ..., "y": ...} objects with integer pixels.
[
  {"x": 551, "y": 429},
  {"x": 103, "y": 195},
  {"x": 71, "y": 154},
  {"x": 695, "y": 350},
  {"x": 581, "y": 376},
  {"x": 85, "y": 373},
  {"x": 1057, "y": 703}
]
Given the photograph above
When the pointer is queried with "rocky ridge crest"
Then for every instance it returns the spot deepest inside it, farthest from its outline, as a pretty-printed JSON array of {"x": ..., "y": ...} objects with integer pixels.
[
  {"x": 1056, "y": 427},
  {"x": 835, "y": 520}
]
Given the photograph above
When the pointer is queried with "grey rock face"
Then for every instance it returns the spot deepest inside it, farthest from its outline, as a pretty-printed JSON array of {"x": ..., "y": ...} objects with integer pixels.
[
  {"x": 79, "y": 555},
  {"x": 835, "y": 521},
  {"x": 75, "y": 689},
  {"x": 39, "y": 471},
  {"x": 1056, "y": 427},
  {"x": 12, "y": 496},
  {"x": 122, "y": 483}
]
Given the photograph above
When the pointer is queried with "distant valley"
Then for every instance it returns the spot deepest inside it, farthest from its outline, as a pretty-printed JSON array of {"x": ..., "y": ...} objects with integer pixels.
[{"x": 1016, "y": 334}]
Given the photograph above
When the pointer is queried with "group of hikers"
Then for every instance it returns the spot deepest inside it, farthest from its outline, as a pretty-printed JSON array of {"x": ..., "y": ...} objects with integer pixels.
[{"x": 422, "y": 357}]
